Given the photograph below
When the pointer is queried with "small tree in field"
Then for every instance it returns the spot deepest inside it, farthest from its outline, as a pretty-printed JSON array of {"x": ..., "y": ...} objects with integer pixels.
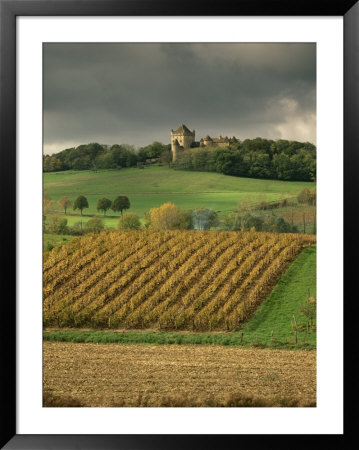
[
  {"x": 46, "y": 202},
  {"x": 167, "y": 217},
  {"x": 309, "y": 309},
  {"x": 129, "y": 221},
  {"x": 204, "y": 218},
  {"x": 120, "y": 204},
  {"x": 64, "y": 202},
  {"x": 81, "y": 203},
  {"x": 103, "y": 205}
]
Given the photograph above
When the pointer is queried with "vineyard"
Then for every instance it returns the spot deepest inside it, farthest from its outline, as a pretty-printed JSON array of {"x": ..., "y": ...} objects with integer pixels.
[{"x": 167, "y": 280}]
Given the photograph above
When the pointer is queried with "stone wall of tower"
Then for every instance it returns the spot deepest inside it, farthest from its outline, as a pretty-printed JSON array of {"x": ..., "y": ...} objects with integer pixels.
[
  {"x": 175, "y": 146},
  {"x": 187, "y": 140},
  {"x": 184, "y": 142},
  {"x": 176, "y": 150},
  {"x": 179, "y": 138}
]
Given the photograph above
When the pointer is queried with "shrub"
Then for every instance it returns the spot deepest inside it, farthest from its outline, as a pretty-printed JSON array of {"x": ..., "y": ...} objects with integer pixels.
[
  {"x": 276, "y": 224},
  {"x": 57, "y": 225},
  {"x": 243, "y": 222},
  {"x": 94, "y": 225},
  {"x": 307, "y": 196},
  {"x": 309, "y": 309},
  {"x": 266, "y": 205},
  {"x": 76, "y": 229},
  {"x": 49, "y": 247},
  {"x": 129, "y": 221}
]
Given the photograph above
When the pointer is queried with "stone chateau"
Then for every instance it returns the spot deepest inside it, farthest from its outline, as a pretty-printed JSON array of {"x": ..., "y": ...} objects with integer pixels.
[{"x": 183, "y": 138}]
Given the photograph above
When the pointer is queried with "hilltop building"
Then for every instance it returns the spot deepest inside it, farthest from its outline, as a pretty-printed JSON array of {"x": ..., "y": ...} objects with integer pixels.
[{"x": 183, "y": 139}]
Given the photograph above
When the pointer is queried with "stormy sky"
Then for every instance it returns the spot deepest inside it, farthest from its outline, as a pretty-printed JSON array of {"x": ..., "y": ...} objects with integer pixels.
[{"x": 136, "y": 93}]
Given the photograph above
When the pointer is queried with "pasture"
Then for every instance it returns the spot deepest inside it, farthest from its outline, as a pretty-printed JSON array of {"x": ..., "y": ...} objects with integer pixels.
[{"x": 154, "y": 185}]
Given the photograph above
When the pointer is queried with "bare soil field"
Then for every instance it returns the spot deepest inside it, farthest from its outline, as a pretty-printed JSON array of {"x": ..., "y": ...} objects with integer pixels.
[{"x": 116, "y": 375}]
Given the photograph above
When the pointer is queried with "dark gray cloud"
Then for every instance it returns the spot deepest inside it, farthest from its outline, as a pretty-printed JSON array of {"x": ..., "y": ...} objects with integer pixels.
[{"x": 136, "y": 93}]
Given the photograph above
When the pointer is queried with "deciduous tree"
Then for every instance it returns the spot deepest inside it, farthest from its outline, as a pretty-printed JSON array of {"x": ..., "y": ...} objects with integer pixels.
[
  {"x": 166, "y": 157},
  {"x": 64, "y": 202},
  {"x": 167, "y": 217},
  {"x": 120, "y": 203},
  {"x": 103, "y": 205},
  {"x": 309, "y": 309},
  {"x": 81, "y": 203},
  {"x": 46, "y": 202},
  {"x": 204, "y": 218}
]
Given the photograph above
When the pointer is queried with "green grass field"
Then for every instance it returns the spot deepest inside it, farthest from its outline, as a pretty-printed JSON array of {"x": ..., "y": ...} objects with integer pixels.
[
  {"x": 153, "y": 186},
  {"x": 274, "y": 314}
]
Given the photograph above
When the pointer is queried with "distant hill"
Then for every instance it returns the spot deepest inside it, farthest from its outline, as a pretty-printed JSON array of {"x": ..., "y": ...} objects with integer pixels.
[
  {"x": 253, "y": 158},
  {"x": 90, "y": 156},
  {"x": 102, "y": 156}
]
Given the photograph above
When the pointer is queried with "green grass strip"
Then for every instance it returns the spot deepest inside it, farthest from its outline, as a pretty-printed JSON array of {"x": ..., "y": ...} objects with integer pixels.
[{"x": 161, "y": 338}]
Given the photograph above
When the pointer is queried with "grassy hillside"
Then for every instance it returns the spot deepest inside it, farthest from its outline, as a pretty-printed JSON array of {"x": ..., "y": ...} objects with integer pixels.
[
  {"x": 285, "y": 301},
  {"x": 170, "y": 280},
  {"x": 153, "y": 186}
]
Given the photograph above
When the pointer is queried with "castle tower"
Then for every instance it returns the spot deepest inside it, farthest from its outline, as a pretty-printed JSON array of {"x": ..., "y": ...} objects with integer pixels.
[
  {"x": 175, "y": 149},
  {"x": 181, "y": 139}
]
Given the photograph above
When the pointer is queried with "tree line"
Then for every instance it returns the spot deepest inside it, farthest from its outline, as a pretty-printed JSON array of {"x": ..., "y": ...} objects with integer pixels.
[
  {"x": 254, "y": 158},
  {"x": 120, "y": 203},
  {"x": 58, "y": 225},
  {"x": 96, "y": 156}
]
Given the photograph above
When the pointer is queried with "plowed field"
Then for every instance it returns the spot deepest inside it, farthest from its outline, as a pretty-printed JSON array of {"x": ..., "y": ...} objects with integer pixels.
[{"x": 105, "y": 375}]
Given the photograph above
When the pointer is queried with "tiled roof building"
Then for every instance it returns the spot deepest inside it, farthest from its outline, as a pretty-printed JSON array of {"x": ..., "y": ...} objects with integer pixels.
[{"x": 183, "y": 138}]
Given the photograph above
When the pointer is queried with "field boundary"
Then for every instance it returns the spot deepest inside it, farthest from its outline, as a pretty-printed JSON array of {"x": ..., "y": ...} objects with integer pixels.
[{"x": 237, "y": 339}]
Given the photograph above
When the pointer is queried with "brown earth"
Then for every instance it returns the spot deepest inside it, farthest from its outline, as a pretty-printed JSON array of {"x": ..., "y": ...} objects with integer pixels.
[{"x": 103, "y": 375}]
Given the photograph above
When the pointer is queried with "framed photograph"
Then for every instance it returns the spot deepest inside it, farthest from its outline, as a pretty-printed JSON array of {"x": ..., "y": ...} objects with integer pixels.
[{"x": 175, "y": 180}]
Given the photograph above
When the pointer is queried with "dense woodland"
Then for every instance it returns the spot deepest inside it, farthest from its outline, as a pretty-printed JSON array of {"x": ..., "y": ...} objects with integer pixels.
[{"x": 254, "y": 158}]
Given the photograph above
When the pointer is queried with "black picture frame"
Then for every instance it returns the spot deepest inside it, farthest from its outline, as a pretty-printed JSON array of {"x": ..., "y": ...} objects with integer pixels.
[{"x": 9, "y": 10}]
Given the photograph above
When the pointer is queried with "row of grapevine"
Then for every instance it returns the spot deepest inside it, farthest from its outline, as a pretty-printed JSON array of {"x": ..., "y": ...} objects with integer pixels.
[
  {"x": 110, "y": 281},
  {"x": 197, "y": 280},
  {"x": 125, "y": 253}
]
